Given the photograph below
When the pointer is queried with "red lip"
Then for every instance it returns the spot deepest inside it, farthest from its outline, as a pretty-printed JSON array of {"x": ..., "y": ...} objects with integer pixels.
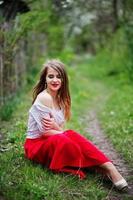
[{"x": 55, "y": 85}]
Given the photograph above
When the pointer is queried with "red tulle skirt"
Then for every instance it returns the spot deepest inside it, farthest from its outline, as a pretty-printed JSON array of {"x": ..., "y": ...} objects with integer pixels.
[{"x": 66, "y": 152}]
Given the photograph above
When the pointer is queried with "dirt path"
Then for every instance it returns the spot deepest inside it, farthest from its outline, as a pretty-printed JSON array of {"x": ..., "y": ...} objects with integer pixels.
[{"x": 105, "y": 145}]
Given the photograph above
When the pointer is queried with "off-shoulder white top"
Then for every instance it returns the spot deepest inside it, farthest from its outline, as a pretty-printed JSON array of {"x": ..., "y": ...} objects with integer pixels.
[{"x": 36, "y": 113}]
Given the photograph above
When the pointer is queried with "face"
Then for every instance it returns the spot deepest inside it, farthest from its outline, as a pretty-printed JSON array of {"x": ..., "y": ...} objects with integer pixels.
[{"x": 53, "y": 80}]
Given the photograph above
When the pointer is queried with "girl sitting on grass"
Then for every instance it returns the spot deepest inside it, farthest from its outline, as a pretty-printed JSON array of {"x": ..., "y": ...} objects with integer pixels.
[{"x": 47, "y": 143}]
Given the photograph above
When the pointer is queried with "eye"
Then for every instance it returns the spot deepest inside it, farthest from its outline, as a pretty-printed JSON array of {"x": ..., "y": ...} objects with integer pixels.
[
  {"x": 59, "y": 76},
  {"x": 50, "y": 76}
]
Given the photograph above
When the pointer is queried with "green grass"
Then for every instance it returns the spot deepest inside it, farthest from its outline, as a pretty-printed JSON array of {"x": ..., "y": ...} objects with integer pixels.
[
  {"x": 8, "y": 108},
  {"x": 117, "y": 120},
  {"x": 21, "y": 179},
  {"x": 115, "y": 105},
  {"x": 91, "y": 88}
]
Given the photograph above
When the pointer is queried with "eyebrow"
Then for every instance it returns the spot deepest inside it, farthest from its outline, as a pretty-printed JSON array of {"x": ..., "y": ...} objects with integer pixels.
[{"x": 53, "y": 74}]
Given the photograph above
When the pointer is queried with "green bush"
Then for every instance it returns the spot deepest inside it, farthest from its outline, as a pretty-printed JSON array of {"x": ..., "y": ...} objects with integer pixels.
[{"x": 7, "y": 109}]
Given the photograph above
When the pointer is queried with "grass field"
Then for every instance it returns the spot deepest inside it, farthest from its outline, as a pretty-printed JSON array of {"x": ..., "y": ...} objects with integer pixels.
[{"x": 23, "y": 180}]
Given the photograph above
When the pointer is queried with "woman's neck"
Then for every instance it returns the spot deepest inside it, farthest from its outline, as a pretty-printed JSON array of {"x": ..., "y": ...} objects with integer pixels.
[
  {"x": 54, "y": 97},
  {"x": 52, "y": 93}
]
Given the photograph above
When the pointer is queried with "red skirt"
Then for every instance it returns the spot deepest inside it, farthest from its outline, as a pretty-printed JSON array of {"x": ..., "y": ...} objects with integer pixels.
[{"x": 66, "y": 152}]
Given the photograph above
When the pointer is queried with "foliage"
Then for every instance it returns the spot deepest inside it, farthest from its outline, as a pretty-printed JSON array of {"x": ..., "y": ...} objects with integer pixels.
[
  {"x": 117, "y": 119},
  {"x": 56, "y": 28},
  {"x": 116, "y": 113},
  {"x": 104, "y": 78},
  {"x": 112, "y": 61},
  {"x": 7, "y": 110},
  {"x": 129, "y": 41},
  {"x": 35, "y": 182},
  {"x": 30, "y": 21},
  {"x": 55, "y": 43},
  {"x": 23, "y": 41}
]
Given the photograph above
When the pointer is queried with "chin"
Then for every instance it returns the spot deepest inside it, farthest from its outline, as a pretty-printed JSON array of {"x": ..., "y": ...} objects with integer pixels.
[{"x": 55, "y": 89}]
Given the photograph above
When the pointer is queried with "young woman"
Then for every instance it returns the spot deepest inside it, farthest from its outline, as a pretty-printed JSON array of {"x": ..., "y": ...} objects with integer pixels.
[{"x": 47, "y": 143}]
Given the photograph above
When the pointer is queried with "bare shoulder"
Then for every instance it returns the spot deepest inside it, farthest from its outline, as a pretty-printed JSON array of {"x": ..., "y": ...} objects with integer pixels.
[{"x": 45, "y": 99}]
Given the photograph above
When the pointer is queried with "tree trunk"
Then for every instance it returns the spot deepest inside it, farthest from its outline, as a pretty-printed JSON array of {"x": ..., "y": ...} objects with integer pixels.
[{"x": 115, "y": 15}]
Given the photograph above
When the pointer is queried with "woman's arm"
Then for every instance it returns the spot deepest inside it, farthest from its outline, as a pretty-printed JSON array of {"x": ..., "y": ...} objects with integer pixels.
[
  {"x": 48, "y": 123},
  {"x": 52, "y": 132},
  {"x": 51, "y": 127}
]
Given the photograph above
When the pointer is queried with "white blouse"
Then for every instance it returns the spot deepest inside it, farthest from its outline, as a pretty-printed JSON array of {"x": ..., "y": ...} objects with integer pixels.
[{"x": 36, "y": 113}]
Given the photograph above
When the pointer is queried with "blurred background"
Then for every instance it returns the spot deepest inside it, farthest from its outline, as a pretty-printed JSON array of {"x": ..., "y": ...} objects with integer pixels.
[
  {"x": 94, "y": 38},
  {"x": 31, "y": 31}
]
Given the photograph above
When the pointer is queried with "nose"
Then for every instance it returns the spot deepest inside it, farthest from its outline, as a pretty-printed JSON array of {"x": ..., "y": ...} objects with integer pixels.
[{"x": 55, "y": 79}]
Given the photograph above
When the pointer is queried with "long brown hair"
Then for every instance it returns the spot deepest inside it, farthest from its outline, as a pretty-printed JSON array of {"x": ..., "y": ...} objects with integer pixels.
[{"x": 63, "y": 96}]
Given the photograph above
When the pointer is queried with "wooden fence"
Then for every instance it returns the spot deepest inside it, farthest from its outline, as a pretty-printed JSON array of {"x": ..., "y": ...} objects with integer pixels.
[{"x": 15, "y": 63}]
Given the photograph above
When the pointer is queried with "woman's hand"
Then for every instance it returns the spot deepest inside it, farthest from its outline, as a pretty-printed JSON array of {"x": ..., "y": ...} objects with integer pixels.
[{"x": 50, "y": 124}]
